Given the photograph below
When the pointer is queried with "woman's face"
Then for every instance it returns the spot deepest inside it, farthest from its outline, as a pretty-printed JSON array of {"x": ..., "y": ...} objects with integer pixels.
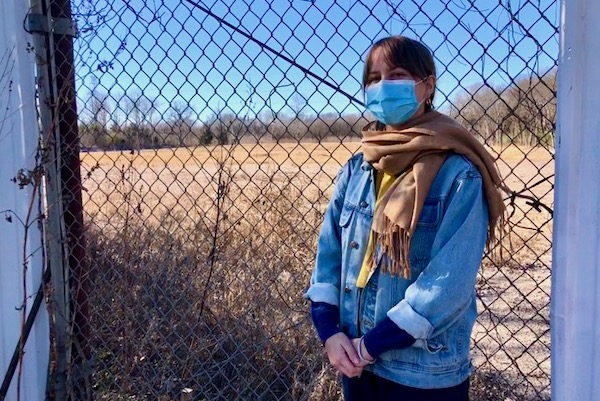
[{"x": 381, "y": 70}]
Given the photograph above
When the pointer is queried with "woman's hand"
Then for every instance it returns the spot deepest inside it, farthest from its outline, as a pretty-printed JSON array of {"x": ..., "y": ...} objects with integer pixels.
[{"x": 342, "y": 355}]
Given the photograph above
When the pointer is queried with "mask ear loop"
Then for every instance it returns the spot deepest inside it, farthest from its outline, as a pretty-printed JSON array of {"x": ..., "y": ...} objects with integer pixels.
[
  {"x": 424, "y": 100},
  {"x": 428, "y": 102}
]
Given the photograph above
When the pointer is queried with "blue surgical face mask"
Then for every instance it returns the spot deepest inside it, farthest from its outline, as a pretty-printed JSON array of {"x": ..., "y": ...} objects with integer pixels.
[{"x": 392, "y": 102}]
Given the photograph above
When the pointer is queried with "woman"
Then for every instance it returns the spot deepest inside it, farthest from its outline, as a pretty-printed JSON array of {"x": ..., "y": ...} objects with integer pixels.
[{"x": 393, "y": 289}]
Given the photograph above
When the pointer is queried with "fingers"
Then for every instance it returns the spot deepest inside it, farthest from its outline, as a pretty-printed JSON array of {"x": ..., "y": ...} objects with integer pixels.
[
  {"x": 342, "y": 355},
  {"x": 351, "y": 351}
]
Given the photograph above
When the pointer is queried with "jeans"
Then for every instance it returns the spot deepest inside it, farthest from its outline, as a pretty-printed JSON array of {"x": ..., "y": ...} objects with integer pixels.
[{"x": 370, "y": 387}]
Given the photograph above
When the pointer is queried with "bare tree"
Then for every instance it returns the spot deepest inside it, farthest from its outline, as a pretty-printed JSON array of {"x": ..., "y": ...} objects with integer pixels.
[
  {"x": 139, "y": 113},
  {"x": 297, "y": 104},
  {"x": 94, "y": 130},
  {"x": 181, "y": 121}
]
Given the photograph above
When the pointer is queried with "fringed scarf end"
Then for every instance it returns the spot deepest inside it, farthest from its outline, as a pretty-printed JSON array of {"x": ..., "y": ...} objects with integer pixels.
[
  {"x": 395, "y": 249},
  {"x": 497, "y": 231}
]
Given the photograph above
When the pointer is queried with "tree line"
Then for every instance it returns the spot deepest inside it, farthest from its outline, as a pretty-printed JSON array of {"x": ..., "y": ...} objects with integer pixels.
[
  {"x": 522, "y": 112},
  {"x": 134, "y": 122}
]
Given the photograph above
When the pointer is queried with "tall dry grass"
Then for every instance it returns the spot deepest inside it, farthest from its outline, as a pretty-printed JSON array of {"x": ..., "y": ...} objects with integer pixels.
[{"x": 207, "y": 301}]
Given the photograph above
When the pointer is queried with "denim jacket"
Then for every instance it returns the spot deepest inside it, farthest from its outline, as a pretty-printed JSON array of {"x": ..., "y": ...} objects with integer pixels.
[{"x": 437, "y": 305}]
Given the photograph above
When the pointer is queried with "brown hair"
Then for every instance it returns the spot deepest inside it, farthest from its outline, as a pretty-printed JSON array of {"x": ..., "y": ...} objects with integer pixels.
[{"x": 403, "y": 52}]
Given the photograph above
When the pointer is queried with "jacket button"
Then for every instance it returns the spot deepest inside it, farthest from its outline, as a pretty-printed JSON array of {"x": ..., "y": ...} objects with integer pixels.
[
  {"x": 347, "y": 290},
  {"x": 345, "y": 329},
  {"x": 354, "y": 245},
  {"x": 363, "y": 204}
]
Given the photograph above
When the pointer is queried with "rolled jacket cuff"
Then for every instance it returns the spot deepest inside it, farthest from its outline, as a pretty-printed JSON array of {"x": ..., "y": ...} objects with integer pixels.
[
  {"x": 322, "y": 292},
  {"x": 410, "y": 321}
]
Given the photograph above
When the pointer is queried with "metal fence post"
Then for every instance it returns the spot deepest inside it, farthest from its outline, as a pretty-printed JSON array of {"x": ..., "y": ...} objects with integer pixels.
[
  {"x": 55, "y": 243},
  {"x": 575, "y": 315},
  {"x": 70, "y": 176}
]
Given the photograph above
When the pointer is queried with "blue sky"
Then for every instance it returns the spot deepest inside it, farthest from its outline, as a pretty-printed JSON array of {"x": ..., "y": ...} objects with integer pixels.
[{"x": 172, "y": 51}]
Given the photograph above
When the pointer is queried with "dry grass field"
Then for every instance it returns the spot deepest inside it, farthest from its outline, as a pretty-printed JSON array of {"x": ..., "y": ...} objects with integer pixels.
[
  {"x": 262, "y": 205},
  {"x": 184, "y": 178}
]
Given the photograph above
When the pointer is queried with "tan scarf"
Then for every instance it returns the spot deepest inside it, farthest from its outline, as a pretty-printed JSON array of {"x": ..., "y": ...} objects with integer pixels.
[{"x": 415, "y": 155}]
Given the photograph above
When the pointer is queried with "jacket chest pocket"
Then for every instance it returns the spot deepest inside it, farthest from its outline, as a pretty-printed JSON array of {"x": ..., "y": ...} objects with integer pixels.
[
  {"x": 346, "y": 216},
  {"x": 431, "y": 214},
  {"x": 346, "y": 225},
  {"x": 424, "y": 235}
]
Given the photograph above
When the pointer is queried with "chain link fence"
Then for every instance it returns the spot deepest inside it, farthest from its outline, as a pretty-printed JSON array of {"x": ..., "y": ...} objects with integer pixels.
[{"x": 211, "y": 133}]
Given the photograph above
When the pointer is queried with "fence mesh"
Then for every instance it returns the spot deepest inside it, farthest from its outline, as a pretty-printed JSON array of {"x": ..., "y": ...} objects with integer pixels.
[{"x": 211, "y": 133}]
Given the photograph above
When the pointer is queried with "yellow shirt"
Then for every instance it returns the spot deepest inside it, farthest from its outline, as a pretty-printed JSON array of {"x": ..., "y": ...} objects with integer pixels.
[{"x": 383, "y": 182}]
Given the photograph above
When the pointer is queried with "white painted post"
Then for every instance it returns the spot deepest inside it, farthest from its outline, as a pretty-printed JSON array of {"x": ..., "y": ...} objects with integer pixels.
[
  {"x": 18, "y": 143},
  {"x": 575, "y": 313}
]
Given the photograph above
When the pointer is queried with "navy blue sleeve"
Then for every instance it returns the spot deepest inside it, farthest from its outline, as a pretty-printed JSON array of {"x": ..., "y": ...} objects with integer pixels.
[
  {"x": 326, "y": 318},
  {"x": 386, "y": 336}
]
